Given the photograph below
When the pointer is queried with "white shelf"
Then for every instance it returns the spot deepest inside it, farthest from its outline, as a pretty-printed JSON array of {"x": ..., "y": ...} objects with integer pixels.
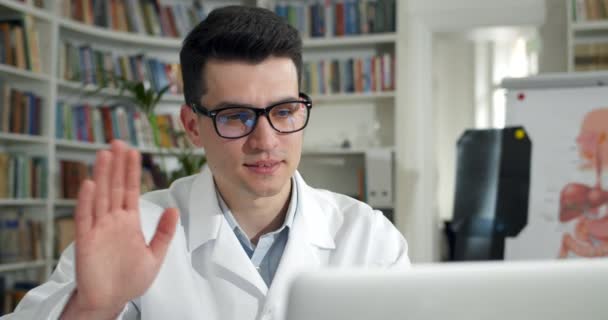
[
  {"x": 346, "y": 97},
  {"x": 33, "y": 11},
  {"x": 16, "y": 137},
  {"x": 22, "y": 265},
  {"x": 118, "y": 36},
  {"x": 23, "y": 74},
  {"x": 65, "y": 202},
  {"x": 169, "y": 151},
  {"x": 111, "y": 92},
  {"x": 601, "y": 25},
  {"x": 336, "y": 151},
  {"x": 354, "y": 40},
  {"x": 87, "y": 146},
  {"x": 23, "y": 202},
  {"x": 175, "y": 43},
  {"x": 178, "y": 98},
  {"x": 331, "y": 152}
]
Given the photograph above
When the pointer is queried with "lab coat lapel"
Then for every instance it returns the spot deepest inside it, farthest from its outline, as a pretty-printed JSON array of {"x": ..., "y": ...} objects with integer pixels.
[
  {"x": 207, "y": 223},
  {"x": 204, "y": 214},
  {"x": 309, "y": 235},
  {"x": 231, "y": 261}
]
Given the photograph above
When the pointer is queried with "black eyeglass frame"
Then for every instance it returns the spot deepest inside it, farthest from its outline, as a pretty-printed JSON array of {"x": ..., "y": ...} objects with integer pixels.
[{"x": 201, "y": 110}]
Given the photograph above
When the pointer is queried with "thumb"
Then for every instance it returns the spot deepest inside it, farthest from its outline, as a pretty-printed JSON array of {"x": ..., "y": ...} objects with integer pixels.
[{"x": 164, "y": 233}]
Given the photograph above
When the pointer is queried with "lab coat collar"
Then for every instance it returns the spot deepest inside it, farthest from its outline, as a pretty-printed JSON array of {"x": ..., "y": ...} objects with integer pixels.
[
  {"x": 205, "y": 214},
  {"x": 206, "y": 217},
  {"x": 310, "y": 233},
  {"x": 315, "y": 220}
]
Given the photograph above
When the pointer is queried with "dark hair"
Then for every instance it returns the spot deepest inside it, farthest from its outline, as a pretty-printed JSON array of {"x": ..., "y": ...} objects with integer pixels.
[{"x": 238, "y": 33}]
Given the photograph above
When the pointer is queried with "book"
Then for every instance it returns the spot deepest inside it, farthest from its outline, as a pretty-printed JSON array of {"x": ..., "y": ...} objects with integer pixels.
[
  {"x": 4, "y": 175},
  {"x": 10, "y": 220},
  {"x": 65, "y": 234},
  {"x": 3, "y": 292},
  {"x": 20, "y": 41},
  {"x": 20, "y": 50}
]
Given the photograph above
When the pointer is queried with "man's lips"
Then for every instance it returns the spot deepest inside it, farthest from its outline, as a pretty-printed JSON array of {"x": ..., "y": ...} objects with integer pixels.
[
  {"x": 264, "y": 163},
  {"x": 263, "y": 167}
]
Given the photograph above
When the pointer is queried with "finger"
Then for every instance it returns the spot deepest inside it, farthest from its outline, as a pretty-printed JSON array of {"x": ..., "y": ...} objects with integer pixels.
[
  {"x": 84, "y": 218},
  {"x": 117, "y": 188},
  {"x": 133, "y": 180},
  {"x": 101, "y": 175},
  {"x": 164, "y": 233}
]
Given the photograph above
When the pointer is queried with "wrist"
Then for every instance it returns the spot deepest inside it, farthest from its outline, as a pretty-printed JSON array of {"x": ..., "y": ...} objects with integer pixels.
[{"x": 76, "y": 309}]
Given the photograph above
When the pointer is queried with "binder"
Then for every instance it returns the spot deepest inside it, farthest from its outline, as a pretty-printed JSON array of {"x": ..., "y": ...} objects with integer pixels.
[{"x": 379, "y": 177}]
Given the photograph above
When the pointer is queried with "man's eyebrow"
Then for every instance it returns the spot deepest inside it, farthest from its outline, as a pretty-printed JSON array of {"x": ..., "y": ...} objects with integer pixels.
[{"x": 225, "y": 104}]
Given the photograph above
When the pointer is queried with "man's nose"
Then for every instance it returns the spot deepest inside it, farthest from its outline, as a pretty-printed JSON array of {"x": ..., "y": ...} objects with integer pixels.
[{"x": 263, "y": 137}]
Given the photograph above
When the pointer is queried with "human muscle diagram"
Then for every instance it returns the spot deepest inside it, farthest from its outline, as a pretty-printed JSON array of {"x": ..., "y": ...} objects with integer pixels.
[{"x": 586, "y": 202}]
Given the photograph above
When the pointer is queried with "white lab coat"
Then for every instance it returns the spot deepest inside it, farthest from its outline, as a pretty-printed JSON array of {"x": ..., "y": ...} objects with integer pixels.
[{"x": 207, "y": 274}]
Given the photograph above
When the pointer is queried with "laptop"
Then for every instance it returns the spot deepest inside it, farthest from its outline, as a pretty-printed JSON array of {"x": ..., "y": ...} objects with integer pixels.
[{"x": 552, "y": 290}]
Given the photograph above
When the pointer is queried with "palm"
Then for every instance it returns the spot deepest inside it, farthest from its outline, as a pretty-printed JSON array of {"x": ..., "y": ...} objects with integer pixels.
[{"x": 114, "y": 264}]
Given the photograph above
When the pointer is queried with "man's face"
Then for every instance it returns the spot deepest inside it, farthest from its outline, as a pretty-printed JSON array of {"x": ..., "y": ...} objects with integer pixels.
[{"x": 261, "y": 163}]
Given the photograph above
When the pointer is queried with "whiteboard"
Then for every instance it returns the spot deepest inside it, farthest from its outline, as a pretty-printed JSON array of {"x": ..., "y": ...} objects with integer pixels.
[{"x": 566, "y": 117}]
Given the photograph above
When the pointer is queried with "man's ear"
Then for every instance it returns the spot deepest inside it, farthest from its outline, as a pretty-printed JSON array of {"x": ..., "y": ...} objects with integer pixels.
[{"x": 190, "y": 122}]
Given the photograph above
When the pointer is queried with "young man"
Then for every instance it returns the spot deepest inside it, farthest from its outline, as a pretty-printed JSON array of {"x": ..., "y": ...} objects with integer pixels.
[{"x": 224, "y": 243}]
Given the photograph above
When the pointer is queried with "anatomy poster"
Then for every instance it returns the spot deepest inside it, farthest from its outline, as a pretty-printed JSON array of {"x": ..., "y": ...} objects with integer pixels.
[{"x": 568, "y": 209}]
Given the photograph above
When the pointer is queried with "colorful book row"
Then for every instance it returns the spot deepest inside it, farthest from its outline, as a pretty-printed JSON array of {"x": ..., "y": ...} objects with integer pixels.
[
  {"x": 19, "y": 42},
  {"x": 353, "y": 75},
  {"x": 21, "y": 237},
  {"x": 36, "y": 3},
  {"x": 102, "y": 124},
  {"x": 339, "y": 18},
  {"x": 104, "y": 68},
  {"x": 22, "y": 176},
  {"x": 71, "y": 174},
  {"x": 589, "y": 10},
  {"x": 148, "y": 17},
  {"x": 591, "y": 57},
  {"x": 20, "y": 111}
]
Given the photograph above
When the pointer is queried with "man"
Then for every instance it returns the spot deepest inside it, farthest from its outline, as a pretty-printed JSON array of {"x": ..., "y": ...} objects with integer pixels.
[{"x": 224, "y": 243}]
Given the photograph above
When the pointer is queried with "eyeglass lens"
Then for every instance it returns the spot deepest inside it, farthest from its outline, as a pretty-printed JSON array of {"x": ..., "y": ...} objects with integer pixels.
[{"x": 285, "y": 117}]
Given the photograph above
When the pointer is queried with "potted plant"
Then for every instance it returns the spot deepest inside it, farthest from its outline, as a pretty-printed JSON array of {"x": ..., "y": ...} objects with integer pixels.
[{"x": 145, "y": 99}]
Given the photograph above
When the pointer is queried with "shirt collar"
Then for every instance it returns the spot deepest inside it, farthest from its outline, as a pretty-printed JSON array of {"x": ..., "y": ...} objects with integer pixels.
[
  {"x": 205, "y": 217},
  {"x": 289, "y": 218}
]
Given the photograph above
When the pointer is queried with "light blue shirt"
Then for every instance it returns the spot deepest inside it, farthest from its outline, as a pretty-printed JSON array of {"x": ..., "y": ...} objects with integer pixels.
[{"x": 269, "y": 250}]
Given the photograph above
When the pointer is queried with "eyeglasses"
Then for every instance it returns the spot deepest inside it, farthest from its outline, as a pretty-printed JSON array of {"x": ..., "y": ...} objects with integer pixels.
[{"x": 233, "y": 122}]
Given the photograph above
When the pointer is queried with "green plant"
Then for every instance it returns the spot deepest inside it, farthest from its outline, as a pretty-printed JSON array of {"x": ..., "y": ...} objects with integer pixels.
[
  {"x": 145, "y": 98},
  {"x": 190, "y": 162}
]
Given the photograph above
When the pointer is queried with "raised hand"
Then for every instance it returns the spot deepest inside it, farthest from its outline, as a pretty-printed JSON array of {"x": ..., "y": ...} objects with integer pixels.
[{"x": 113, "y": 262}]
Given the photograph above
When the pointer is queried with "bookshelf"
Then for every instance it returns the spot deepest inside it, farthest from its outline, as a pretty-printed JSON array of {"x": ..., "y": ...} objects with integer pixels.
[
  {"x": 24, "y": 74},
  {"x": 22, "y": 265},
  {"x": 342, "y": 97},
  {"x": 375, "y": 108},
  {"x": 116, "y": 36},
  {"x": 354, "y": 40},
  {"x": 23, "y": 202},
  {"x": 8, "y": 138},
  {"x": 86, "y": 146},
  {"x": 65, "y": 202},
  {"x": 587, "y": 35},
  {"x": 110, "y": 92}
]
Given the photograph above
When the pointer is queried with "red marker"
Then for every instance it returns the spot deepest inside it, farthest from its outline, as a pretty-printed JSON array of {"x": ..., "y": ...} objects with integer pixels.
[{"x": 521, "y": 97}]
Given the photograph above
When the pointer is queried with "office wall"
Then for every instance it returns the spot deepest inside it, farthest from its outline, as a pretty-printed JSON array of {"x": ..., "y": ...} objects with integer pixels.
[
  {"x": 553, "y": 34},
  {"x": 417, "y": 205},
  {"x": 453, "y": 100}
]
